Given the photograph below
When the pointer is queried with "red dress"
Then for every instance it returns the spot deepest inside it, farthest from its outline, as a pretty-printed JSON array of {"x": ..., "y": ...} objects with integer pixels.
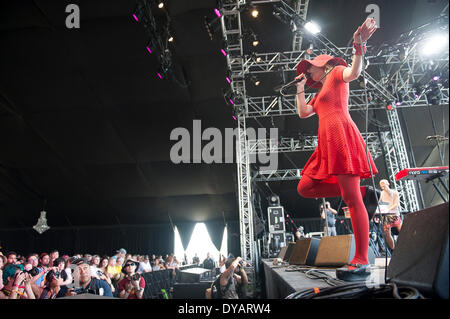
[{"x": 341, "y": 149}]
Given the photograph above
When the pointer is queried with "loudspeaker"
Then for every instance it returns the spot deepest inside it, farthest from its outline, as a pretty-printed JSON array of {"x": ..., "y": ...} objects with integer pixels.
[
  {"x": 420, "y": 258},
  {"x": 338, "y": 251},
  {"x": 282, "y": 252},
  {"x": 194, "y": 275},
  {"x": 289, "y": 250},
  {"x": 305, "y": 251},
  {"x": 191, "y": 290}
]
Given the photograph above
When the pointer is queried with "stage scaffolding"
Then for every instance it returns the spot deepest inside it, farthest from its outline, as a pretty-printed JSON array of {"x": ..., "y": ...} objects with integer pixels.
[{"x": 400, "y": 70}]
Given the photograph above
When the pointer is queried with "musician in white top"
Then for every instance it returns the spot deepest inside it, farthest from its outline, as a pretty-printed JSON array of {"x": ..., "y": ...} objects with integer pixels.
[{"x": 389, "y": 201}]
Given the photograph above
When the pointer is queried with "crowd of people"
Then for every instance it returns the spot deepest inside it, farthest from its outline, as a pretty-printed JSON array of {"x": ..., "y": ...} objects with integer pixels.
[{"x": 49, "y": 275}]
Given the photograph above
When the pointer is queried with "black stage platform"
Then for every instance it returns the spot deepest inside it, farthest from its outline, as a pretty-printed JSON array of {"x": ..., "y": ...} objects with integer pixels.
[{"x": 281, "y": 282}]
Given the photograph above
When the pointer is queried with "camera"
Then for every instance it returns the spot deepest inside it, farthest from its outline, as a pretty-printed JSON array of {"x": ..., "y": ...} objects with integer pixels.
[
  {"x": 100, "y": 273},
  {"x": 135, "y": 277},
  {"x": 33, "y": 271}
]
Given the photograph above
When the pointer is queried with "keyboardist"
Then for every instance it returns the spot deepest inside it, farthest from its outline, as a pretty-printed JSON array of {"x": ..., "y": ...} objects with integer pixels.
[{"x": 389, "y": 201}]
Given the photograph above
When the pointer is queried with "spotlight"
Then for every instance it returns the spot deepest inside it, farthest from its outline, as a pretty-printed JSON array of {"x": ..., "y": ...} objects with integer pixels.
[
  {"x": 160, "y": 4},
  {"x": 255, "y": 80},
  {"x": 436, "y": 78},
  {"x": 217, "y": 12},
  {"x": 274, "y": 200},
  {"x": 228, "y": 77},
  {"x": 389, "y": 107},
  {"x": 435, "y": 44},
  {"x": 170, "y": 38},
  {"x": 224, "y": 52},
  {"x": 255, "y": 13},
  {"x": 255, "y": 40},
  {"x": 312, "y": 27}
]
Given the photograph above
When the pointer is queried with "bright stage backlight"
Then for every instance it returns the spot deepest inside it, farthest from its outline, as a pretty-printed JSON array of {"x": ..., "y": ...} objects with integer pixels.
[
  {"x": 312, "y": 27},
  {"x": 435, "y": 44}
]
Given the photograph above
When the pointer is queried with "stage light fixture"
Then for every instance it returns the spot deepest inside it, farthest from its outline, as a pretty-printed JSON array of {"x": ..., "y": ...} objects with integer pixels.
[
  {"x": 160, "y": 4},
  {"x": 389, "y": 107},
  {"x": 170, "y": 38},
  {"x": 433, "y": 94},
  {"x": 435, "y": 44},
  {"x": 254, "y": 80},
  {"x": 254, "y": 12},
  {"x": 255, "y": 42},
  {"x": 217, "y": 12},
  {"x": 274, "y": 200},
  {"x": 312, "y": 27}
]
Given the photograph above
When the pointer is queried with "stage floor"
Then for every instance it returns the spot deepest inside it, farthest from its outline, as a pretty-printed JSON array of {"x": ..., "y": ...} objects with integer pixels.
[{"x": 282, "y": 280}]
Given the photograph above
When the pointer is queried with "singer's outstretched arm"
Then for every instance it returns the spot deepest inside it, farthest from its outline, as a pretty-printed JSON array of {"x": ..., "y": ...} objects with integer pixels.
[{"x": 360, "y": 37}]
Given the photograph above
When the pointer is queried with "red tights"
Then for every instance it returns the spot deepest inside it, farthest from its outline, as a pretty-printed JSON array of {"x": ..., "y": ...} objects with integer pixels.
[{"x": 348, "y": 187}]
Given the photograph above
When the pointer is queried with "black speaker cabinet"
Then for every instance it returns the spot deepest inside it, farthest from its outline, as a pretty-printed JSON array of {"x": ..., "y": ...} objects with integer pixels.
[
  {"x": 191, "y": 290},
  {"x": 194, "y": 275},
  {"x": 420, "y": 258},
  {"x": 304, "y": 252},
  {"x": 289, "y": 250}
]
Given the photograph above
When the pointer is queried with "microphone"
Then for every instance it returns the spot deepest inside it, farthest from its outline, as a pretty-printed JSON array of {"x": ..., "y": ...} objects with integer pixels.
[{"x": 292, "y": 83}]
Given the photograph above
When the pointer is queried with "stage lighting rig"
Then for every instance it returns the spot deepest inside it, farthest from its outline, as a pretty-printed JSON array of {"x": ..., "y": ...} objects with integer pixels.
[{"x": 274, "y": 200}]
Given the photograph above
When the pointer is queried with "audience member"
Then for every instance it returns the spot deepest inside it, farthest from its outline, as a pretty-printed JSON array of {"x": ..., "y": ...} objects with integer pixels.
[
  {"x": 17, "y": 284},
  {"x": 196, "y": 260},
  {"x": 231, "y": 284},
  {"x": 208, "y": 263},
  {"x": 132, "y": 285},
  {"x": 11, "y": 258},
  {"x": 54, "y": 254},
  {"x": 145, "y": 265}
]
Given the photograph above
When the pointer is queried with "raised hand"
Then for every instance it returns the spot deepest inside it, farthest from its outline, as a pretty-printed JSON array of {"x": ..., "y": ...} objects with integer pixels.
[{"x": 365, "y": 31}]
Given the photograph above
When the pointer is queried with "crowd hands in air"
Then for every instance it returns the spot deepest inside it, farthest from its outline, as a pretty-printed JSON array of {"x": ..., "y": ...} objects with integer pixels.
[{"x": 49, "y": 276}]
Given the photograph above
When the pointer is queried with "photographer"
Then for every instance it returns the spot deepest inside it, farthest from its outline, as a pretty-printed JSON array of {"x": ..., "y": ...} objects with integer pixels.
[
  {"x": 232, "y": 284},
  {"x": 17, "y": 283},
  {"x": 132, "y": 286},
  {"x": 53, "y": 285},
  {"x": 87, "y": 282}
]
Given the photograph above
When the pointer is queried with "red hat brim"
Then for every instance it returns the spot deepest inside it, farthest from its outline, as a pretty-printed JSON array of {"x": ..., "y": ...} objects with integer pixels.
[{"x": 319, "y": 61}]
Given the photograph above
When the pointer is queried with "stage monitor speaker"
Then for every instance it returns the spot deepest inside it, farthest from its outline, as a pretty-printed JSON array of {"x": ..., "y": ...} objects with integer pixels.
[
  {"x": 305, "y": 251},
  {"x": 290, "y": 248},
  {"x": 420, "y": 257},
  {"x": 191, "y": 290},
  {"x": 336, "y": 251},
  {"x": 192, "y": 275},
  {"x": 282, "y": 252}
]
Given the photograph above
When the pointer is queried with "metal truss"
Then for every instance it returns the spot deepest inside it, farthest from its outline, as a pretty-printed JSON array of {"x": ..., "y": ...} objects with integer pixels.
[
  {"x": 396, "y": 158},
  {"x": 232, "y": 34},
  {"x": 305, "y": 144},
  {"x": 301, "y": 8},
  {"x": 278, "y": 175}
]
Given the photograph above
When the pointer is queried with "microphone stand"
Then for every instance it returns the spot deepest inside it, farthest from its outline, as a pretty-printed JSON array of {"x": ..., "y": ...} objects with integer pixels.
[{"x": 326, "y": 218}]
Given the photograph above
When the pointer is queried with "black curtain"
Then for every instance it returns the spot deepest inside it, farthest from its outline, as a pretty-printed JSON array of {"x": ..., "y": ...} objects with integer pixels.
[
  {"x": 215, "y": 231},
  {"x": 185, "y": 230},
  {"x": 151, "y": 239}
]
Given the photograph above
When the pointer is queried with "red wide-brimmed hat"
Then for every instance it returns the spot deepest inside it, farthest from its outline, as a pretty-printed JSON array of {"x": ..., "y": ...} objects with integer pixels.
[{"x": 319, "y": 61}]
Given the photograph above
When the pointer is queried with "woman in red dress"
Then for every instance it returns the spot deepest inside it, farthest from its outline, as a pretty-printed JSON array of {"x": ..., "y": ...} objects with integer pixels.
[{"x": 339, "y": 161}]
